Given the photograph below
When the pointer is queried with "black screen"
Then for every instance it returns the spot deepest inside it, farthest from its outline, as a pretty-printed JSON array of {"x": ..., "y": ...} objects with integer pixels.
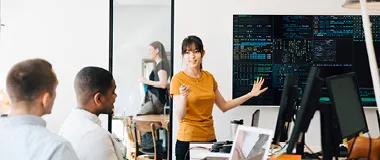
[
  {"x": 308, "y": 106},
  {"x": 271, "y": 46},
  {"x": 346, "y": 100},
  {"x": 287, "y": 109}
]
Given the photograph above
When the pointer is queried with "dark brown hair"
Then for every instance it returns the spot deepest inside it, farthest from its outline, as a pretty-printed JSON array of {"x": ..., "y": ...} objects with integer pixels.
[
  {"x": 161, "y": 49},
  {"x": 29, "y": 79},
  {"x": 190, "y": 40}
]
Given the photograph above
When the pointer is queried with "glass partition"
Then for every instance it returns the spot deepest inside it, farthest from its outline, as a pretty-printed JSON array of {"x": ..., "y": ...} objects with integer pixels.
[{"x": 141, "y": 65}]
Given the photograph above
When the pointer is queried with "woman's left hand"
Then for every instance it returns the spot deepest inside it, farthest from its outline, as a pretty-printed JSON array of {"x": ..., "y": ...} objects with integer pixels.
[
  {"x": 143, "y": 80},
  {"x": 256, "y": 89}
]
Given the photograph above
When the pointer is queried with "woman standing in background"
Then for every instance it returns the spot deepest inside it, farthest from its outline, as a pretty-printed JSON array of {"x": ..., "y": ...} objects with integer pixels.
[
  {"x": 156, "y": 97},
  {"x": 194, "y": 92}
]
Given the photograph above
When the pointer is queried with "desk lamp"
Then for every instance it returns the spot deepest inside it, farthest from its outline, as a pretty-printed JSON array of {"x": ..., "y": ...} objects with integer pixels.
[{"x": 364, "y": 5}]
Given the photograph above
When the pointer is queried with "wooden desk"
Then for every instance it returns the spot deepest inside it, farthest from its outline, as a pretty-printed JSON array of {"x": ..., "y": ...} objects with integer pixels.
[{"x": 162, "y": 118}]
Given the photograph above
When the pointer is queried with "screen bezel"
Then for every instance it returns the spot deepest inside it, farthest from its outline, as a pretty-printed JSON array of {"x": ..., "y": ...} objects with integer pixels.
[{"x": 352, "y": 75}]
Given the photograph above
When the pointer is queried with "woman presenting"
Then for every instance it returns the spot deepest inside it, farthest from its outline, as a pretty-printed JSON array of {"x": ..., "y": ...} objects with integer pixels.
[{"x": 194, "y": 92}]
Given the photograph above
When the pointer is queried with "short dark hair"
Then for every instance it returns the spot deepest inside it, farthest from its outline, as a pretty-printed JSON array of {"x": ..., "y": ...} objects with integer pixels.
[
  {"x": 91, "y": 80},
  {"x": 28, "y": 79}
]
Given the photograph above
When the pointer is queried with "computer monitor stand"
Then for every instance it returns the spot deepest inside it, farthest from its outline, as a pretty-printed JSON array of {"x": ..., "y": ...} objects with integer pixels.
[
  {"x": 301, "y": 146},
  {"x": 330, "y": 134}
]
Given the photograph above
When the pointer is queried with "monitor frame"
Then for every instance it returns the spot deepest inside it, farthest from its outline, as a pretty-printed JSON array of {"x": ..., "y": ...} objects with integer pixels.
[{"x": 352, "y": 75}]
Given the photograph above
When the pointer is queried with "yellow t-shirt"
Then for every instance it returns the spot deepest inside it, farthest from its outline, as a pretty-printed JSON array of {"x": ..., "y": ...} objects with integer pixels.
[{"x": 197, "y": 125}]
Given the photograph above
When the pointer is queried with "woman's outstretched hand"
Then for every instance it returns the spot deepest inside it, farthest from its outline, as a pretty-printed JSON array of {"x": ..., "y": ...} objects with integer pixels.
[{"x": 256, "y": 89}]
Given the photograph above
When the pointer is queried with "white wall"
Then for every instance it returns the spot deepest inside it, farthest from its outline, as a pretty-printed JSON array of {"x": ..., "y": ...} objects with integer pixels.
[
  {"x": 70, "y": 34},
  {"x": 135, "y": 27},
  {"x": 212, "y": 21}
]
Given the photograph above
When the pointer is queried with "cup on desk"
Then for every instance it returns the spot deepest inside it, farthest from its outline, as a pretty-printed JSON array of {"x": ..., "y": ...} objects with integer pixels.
[{"x": 233, "y": 127}]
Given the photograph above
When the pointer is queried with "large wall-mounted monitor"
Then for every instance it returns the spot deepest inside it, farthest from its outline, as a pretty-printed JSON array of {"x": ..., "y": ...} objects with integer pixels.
[{"x": 271, "y": 46}]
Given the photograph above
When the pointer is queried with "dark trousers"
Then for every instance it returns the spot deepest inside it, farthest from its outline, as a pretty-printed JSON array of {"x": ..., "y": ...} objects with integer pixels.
[{"x": 182, "y": 151}]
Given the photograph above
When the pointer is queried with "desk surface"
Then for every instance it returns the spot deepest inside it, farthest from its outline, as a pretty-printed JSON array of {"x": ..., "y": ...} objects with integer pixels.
[
  {"x": 202, "y": 150},
  {"x": 155, "y": 118}
]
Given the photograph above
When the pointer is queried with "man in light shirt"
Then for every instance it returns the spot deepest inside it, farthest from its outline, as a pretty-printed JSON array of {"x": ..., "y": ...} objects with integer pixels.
[
  {"x": 95, "y": 92},
  {"x": 31, "y": 86}
]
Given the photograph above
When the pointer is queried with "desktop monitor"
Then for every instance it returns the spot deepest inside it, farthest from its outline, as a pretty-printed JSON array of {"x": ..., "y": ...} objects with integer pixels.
[
  {"x": 345, "y": 97},
  {"x": 289, "y": 101},
  {"x": 255, "y": 118},
  {"x": 308, "y": 106}
]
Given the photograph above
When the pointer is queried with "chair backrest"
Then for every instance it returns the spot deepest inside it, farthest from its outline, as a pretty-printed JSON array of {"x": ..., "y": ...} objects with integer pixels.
[
  {"x": 129, "y": 128},
  {"x": 154, "y": 128},
  {"x": 147, "y": 126},
  {"x": 255, "y": 118},
  {"x": 131, "y": 133}
]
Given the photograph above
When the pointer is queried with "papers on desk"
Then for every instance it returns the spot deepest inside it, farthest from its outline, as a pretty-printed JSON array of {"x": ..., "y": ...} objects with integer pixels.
[
  {"x": 197, "y": 154},
  {"x": 248, "y": 143},
  {"x": 216, "y": 156}
]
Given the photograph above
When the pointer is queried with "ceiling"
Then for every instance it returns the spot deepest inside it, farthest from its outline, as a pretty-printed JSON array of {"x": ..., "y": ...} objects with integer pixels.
[{"x": 119, "y": 3}]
